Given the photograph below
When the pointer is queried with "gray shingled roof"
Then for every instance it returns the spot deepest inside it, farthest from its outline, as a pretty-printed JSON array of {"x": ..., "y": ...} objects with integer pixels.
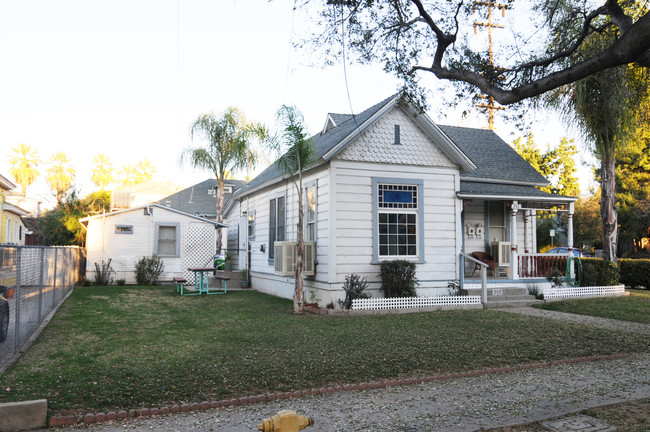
[
  {"x": 323, "y": 142},
  {"x": 483, "y": 189},
  {"x": 197, "y": 201},
  {"x": 493, "y": 157},
  {"x": 496, "y": 161}
]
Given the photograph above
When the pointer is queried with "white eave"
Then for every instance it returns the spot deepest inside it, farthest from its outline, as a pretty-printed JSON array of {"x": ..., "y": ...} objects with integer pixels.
[{"x": 142, "y": 207}]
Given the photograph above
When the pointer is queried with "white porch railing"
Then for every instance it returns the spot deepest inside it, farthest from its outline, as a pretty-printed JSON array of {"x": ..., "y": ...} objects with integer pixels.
[
  {"x": 413, "y": 302},
  {"x": 584, "y": 291},
  {"x": 536, "y": 265},
  {"x": 483, "y": 274}
]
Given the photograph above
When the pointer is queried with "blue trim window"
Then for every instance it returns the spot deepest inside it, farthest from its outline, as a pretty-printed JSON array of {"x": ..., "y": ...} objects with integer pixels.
[{"x": 398, "y": 219}]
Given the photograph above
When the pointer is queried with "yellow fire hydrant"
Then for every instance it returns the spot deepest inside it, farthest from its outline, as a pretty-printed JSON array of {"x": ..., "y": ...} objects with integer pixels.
[{"x": 285, "y": 421}]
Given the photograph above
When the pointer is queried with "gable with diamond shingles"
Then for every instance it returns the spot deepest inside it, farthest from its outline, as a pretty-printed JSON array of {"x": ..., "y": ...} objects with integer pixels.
[{"x": 377, "y": 144}]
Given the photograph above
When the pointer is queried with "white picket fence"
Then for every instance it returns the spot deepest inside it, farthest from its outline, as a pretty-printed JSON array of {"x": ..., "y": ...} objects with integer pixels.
[
  {"x": 414, "y": 302},
  {"x": 584, "y": 291}
]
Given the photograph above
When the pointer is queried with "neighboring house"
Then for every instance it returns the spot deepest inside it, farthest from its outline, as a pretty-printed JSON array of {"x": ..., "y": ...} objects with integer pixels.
[
  {"x": 201, "y": 200},
  {"x": 142, "y": 193},
  {"x": 12, "y": 228},
  {"x": 182, "y": 240},
  {"x": 391, "y": 184}
]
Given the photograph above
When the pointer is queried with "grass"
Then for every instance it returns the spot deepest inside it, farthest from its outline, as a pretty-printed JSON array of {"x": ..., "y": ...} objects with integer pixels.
[
  {"x": 635, "y": 307},
  {"x": 126, "y": 347}
]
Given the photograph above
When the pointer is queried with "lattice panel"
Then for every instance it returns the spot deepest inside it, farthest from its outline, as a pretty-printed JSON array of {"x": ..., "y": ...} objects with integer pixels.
[
  {"x": 414, "y": 302},
  {"x": 584, "y": 291},
  {"x": 199, "y": 248}
]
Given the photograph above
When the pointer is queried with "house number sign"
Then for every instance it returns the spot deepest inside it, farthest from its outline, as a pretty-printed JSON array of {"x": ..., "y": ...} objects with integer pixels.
[{"x": 497, "y": 292}]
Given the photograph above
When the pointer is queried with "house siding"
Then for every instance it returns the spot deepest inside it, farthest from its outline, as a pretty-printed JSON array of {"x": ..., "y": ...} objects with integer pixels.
[
  {"x": 354, "y": 230},
  {"x": 125, "y": 249},
  {"x": 261, "y": 268}
]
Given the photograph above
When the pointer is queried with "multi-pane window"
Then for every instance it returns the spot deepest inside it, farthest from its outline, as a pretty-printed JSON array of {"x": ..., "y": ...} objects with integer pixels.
[
  {"x": 397, "y": 219},
  {"x": 251, "y": 225},
  {"x": 167, "y": 240},
  {"x": 276, "y": 223},
  {"x": 310, "y": 213}
]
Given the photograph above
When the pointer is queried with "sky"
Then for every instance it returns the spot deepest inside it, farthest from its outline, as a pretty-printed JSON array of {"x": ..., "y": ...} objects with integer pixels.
[{"x": 127, "y": 78}]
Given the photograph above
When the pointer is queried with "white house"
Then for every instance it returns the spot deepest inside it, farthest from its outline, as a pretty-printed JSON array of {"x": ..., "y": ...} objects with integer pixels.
[
  {"x": 391, "y": 184},
  {"x": 182, "y": 240}
]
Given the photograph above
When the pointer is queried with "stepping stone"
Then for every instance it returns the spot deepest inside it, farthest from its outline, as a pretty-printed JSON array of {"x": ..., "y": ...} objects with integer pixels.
[{"x": 579, "y": 423}]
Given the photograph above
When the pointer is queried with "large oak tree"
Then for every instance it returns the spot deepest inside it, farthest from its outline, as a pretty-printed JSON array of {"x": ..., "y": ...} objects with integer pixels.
[{"x": 542, "y": 51}]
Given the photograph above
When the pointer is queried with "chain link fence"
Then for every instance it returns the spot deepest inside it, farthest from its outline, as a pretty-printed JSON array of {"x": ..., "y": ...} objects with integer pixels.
[{"x": 37, "y": 280}]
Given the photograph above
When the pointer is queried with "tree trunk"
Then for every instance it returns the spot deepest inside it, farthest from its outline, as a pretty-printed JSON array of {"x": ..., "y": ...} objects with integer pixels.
[
  {"x": 220, "y": 183},
  {"x": 608, "y": 211},
  {"x": 298, "y": 296}
]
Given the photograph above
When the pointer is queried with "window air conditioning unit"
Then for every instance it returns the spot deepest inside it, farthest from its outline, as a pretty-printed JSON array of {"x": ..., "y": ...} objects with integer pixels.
[
  {"x": 286, "y": 255},
  {"x": 501, "y": 252}
]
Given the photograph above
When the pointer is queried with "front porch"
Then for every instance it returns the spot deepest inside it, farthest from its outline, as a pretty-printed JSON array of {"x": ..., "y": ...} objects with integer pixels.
[{"x": 500, "y": 235}]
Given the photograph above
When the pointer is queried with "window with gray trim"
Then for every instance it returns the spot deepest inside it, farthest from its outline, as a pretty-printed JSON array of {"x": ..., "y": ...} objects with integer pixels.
[
  {"x": 310, "y": 213},
  {"x": 276, "y": 223},
  {"x": 167, "y": 240},
  {"x": 397, "y": 216}
]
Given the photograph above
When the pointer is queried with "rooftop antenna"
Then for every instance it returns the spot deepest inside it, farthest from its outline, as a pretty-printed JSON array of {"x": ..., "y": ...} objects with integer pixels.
[{"x": 490, "y": 105}]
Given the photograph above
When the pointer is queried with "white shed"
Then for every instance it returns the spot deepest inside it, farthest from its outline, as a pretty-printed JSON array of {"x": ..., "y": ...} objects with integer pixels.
[{"x": 182, "y": 240}]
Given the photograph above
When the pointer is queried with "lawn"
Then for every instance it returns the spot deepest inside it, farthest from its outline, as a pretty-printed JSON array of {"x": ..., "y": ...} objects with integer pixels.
[
  {"x": 635, "y": 307},
  {"x": 127, "y": 347}
]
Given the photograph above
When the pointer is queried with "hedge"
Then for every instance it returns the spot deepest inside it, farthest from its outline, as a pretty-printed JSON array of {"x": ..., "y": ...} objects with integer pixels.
[{"x": 635, "y": 273}]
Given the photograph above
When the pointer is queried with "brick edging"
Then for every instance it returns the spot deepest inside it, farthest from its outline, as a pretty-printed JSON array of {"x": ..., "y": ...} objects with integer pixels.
[{"x": 72, "y": 417}]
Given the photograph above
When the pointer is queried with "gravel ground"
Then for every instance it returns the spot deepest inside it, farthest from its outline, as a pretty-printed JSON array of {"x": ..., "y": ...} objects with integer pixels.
[
  {"x": 611, "y": 324},
  {"x": 458, "y": 404}
]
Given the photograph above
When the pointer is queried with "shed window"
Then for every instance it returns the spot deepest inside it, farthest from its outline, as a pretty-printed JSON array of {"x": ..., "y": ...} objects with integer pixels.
[{"x": 167, "y": 240}]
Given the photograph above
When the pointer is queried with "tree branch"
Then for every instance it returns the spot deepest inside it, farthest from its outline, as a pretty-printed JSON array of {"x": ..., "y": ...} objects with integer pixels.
[{"x": 632, "y": 46}]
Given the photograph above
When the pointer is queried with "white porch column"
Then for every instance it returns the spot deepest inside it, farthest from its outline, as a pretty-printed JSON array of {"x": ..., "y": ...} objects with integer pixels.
[
  {"x": 528, "y": 238},
  {"x": 569, "y": 230},
  {"x": 514, "y": 208},
  {"x": 569, "y": 237}
]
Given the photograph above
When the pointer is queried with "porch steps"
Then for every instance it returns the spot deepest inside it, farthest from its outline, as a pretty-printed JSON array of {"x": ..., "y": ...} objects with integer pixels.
[{"x": 507, "y": 297}]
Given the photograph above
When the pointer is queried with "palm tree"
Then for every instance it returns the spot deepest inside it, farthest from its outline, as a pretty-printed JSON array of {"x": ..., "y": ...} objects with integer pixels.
[
  {"x": 59, "y": 175},
  {"x": 24, "y": 163},
  {"x": 227, "y": 140},
  {"x": 300, "y": 152},
  {"x": 144, "y": 171},
  {"x": 102, "y": 174},
  {"x": 128, "y": 175},
  {"x": 604, "y": 107}
]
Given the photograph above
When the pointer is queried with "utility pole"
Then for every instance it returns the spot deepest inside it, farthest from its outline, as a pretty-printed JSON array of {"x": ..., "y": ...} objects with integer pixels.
[{"x": 490, "y": 105}]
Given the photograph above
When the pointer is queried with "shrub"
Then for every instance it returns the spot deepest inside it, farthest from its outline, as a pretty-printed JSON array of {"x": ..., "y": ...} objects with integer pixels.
[
  {"x": 398, "y": 279},
  {"x": 353, "y": 287},
  {"x": 86, "y": 282},
  {"x": 454, "y": 289},
  {"x": 635, "y": 273},
  {"x": 121, "y": 282},
  {"x": 148, "y": 270},
  {"x": 536, "y": 291},
  {"x": 589, "y": 275},
  {"x": 598, "y": 272},
  {"x": 555, "y": 277},
  {"x": 103, "y": 273}
]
